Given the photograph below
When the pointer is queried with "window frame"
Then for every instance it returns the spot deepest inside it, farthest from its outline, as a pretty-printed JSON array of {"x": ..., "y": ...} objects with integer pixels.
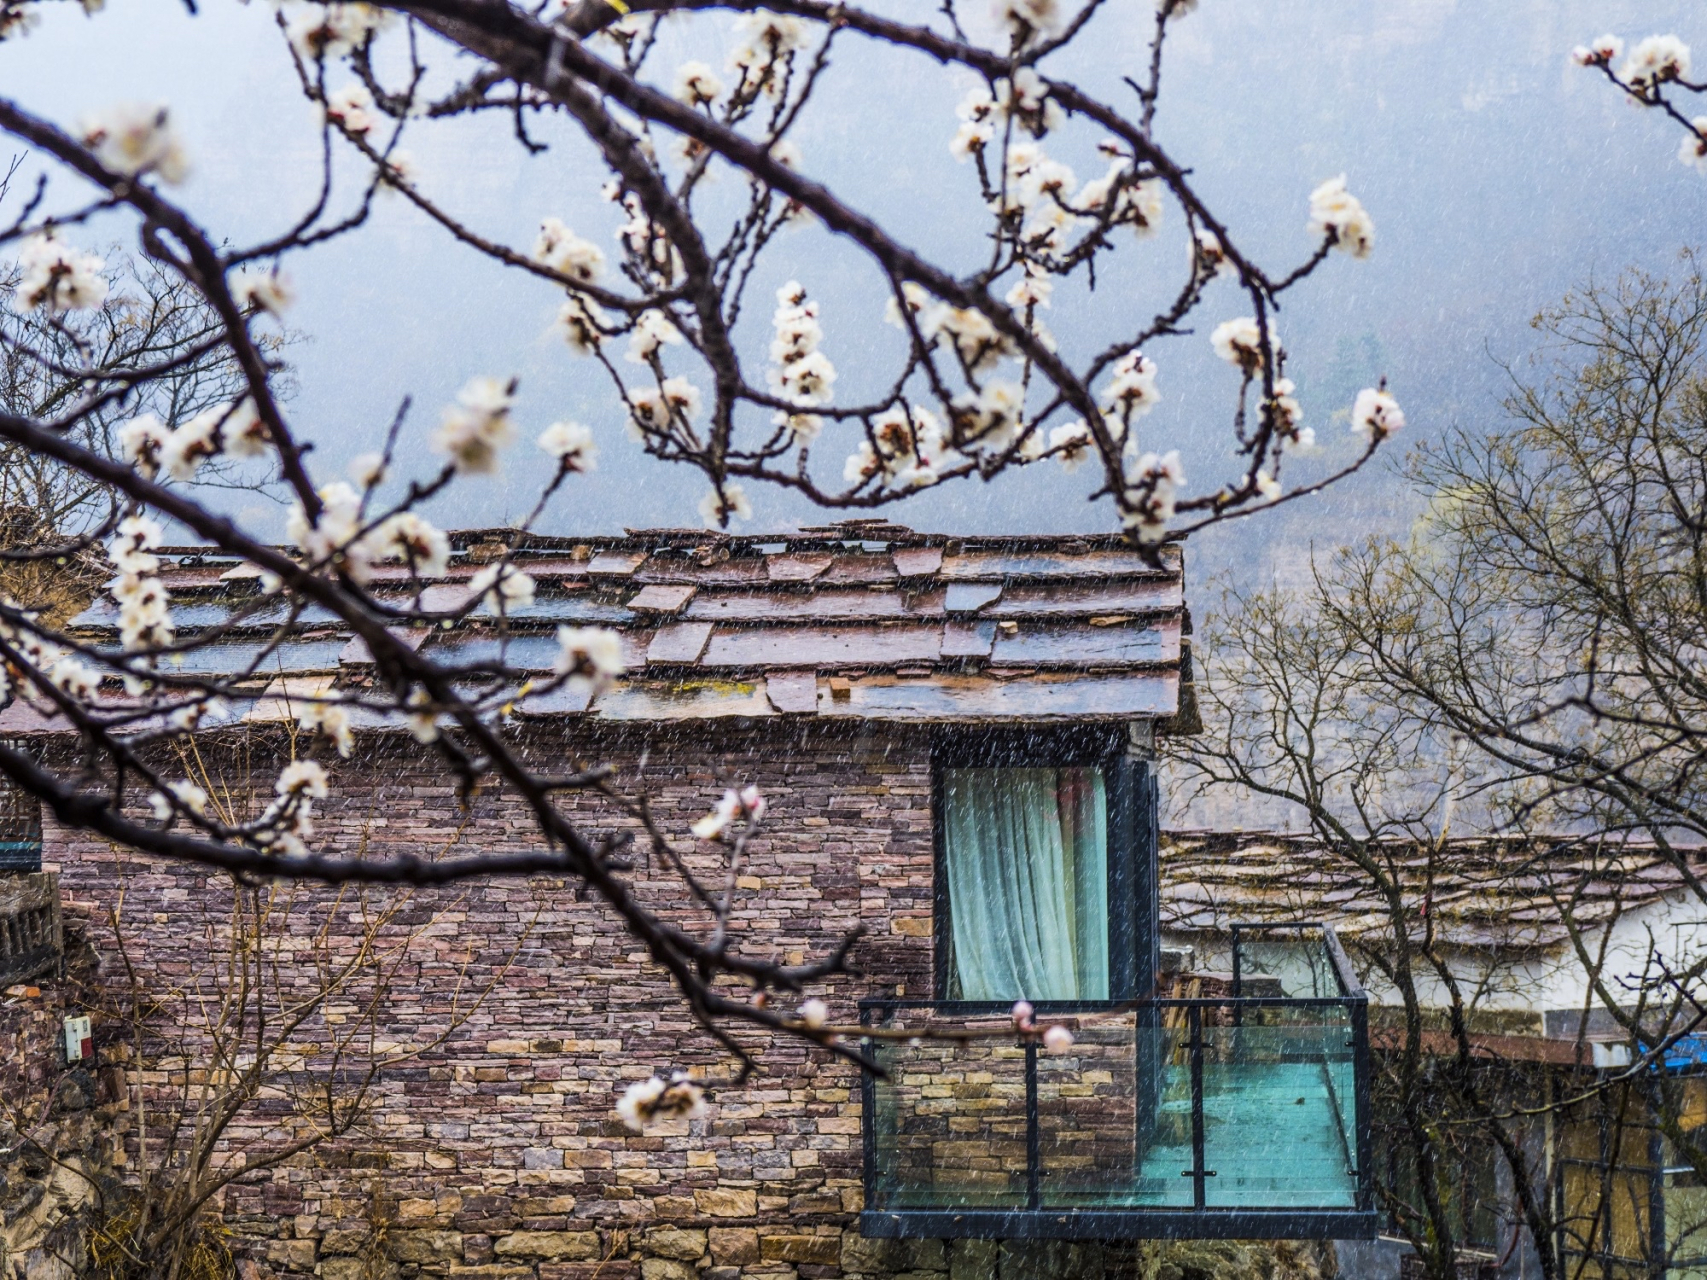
[{"x": 1134, "y": 935}]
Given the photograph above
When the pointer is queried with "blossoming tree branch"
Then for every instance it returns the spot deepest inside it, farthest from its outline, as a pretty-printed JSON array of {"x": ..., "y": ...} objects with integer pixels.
[{"x": 664, "y": 313}]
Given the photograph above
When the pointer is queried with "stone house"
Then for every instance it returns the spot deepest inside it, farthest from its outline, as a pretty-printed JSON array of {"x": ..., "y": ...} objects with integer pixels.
[{"x": 955, "y": 737}]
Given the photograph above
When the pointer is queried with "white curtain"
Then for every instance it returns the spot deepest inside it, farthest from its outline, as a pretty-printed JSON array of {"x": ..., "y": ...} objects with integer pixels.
[{"x": 1027, "y": 862}]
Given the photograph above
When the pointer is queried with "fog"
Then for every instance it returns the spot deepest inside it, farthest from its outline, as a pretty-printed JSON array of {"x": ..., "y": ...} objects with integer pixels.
[{"x": 1498, "y": 176}]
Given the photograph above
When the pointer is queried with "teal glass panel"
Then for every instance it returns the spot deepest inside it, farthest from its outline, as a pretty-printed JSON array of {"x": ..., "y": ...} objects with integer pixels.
[
  {"x": 950, "y": 1123},
  {"x": 1277, "y": 1111}
]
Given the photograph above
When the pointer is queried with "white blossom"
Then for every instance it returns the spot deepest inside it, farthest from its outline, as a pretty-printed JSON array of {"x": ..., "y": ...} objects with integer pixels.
[
  {"x": 725, "y": 503},
  {"x": 1654, "y": 61},
  {"x": 1287, "y": 412},
  {"x": 192, "y": 444},
  {"x": 1210, "y": 255},
  {"x": 271, "y": 291},
  {"x": 976, "y": 340},
  {"x": 763, "y": 41},
  {"x": 304, "y": 778},
  {"x": 567, "y": 253},
  {"x": 503, "y": 587},
  {"x": 477, "y": 426},
  {"x": 748, "y": 802},
  {"x": 18, "y": 18},
  {"x": 55, "y": 278},
  {"x": 333, "y": 721},
  {"x": 992, "y": 418},
  {"x": 335, "y": 526},
  {"x": 1133, "y": 391},
  {"x": 1335, "y": 212},
  {"x": 397, "y": 170},
  {"x": 1693, "y": 150},
  {"x": 653, "y": 1099},
  {"x": 408, "y": 537},
  {"x": 1028, "y": 19},
  {"x": 651, "y": 332},
  {"x": 652, "y": 410},
  {"x": 1137, "y": 202},
  {"x": 977, "y": 113},
  {"x": 1057, "y": 1039},
  {"x": 145, "y": 620},
  {"x": 1268, "y": 488},
  {"x": 135, "y": 138},
  {"x": 422, "y": 722},
  {"x": 367, "y": 469},
  {"x": 572, "y": 444},
  {"x": 137, "y": 537},
  {"x": 814, "y": 1013},
  {"x": 1153, "y": 484},
  {"x": 186, "y": 793},
  {"x": 589, "y": 657},
  {"x": 142, "y": 439},
  {"x": 1599, "y": 53},
  {"x": 352, "y": 107},
  {"x": 72, "y": 677},
  {"x": 319, "y": 30},
  {"x": 243, "y": 434},
  {"x": 1375, "y": 414},
  {"x": 1072, "y": 444},
  {"x": 1239, "y": 342},
  {"x": 581, "y": 323},
  {"x": 1027, "y": 100},
  {"x": 697, "y": 84}
]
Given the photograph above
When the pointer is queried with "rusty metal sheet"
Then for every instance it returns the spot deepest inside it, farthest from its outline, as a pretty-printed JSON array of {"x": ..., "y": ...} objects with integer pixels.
[
  {"x": 683, "y": 700},
  {"x": 797, "y": 567},
  {"x": 1085, "y": 646},
  {"x": 793, "y": 692},
  {"x": 850, "y": 646},
  {"x": 969, "y": 597},
  {"x": 916, "y": 562},
  {"x": 615, "y": 564},
  {"x": 853, "y": 568},
  {"x": 1090, "y": 599},
  {"x": 967, "y": 639},
  {"x": 1150, "y": 694},
  {"x": 679, "y": 642},
  {"x": 990, "y": 566},
  {"x": 659, "y": 598},
  {"x": 822, "y": 605}
]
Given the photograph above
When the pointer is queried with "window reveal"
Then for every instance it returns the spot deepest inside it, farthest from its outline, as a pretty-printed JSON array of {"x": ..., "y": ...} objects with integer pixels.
[{"x": 1026, "y": 859}]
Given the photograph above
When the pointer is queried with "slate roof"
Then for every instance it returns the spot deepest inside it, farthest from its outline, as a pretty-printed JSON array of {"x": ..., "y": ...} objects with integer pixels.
[
  {"x": 1505, "y": 893},
  {"x": 858, "y": 620}
]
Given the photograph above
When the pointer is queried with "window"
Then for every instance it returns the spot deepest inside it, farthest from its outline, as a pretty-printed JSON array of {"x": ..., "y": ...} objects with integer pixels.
[
  {"x": 20, "y": 827},
  {"x": 1039, "y": 868}
]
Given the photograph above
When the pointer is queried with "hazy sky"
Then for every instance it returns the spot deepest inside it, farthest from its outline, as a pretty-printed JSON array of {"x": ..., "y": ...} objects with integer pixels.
[{"x": 1496, "y": 174}]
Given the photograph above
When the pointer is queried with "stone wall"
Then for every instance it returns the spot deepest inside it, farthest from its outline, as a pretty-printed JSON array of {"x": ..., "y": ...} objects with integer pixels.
[{"x": 496, "y": 1153}]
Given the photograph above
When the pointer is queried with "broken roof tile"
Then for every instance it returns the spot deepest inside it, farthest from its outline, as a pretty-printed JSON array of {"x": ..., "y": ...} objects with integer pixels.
[
  {"x": 679, "y": 642},
  {"x": 793, "y": 692},
  {"x": 969, "y": 597},
  {"x": 659, "y": 598},
  {"x": 615, "y": 564},
  {"x": 797, "y": 567},
  {"x": 917, "y": 562},
  {"x": 967, "y": 639},
  {"x": 799, "y": 646}
]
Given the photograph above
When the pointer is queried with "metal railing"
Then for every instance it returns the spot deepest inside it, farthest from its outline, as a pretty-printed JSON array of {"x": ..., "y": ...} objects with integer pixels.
[{"x": 1205, "y": 1115}]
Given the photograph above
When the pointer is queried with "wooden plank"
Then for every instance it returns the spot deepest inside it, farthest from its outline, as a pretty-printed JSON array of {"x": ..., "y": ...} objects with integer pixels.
[
  {"x": 1085, "y": 646},
  {"x": 683, "y": 700},
  {"x": 797, "y": 567},
  {"x": 823, "y": 646},
  {"x": 1089, "y": 599},
  {"x": 615, "y": 564},
  {"x": 822, "y": 605},
  {"x": 961, "y": 639},
  {"x": 793, "y": 692},
  {"x": 659, "y": 598},
  {"x": 969, "y": 597},
  {"x": 917, "y": 562},
  {"x": 1149, "y": 694},
  {"x": 679, "y": 642}
]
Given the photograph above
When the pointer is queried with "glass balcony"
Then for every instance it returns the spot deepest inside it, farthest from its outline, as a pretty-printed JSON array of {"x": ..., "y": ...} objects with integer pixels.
[{"x": 1235, "y": 1116}]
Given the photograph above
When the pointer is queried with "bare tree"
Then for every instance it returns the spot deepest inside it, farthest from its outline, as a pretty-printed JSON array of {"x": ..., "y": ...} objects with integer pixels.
[{"x": 977, "y": 385}]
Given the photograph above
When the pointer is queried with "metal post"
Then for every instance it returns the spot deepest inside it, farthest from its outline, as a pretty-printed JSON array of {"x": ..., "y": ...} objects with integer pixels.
[
  {"x": 1194, "y": 1017},
  {"x": 1238, "y": 986},
  {"x": 1033, "y": 1147},
  {"x": 868, "y": 1121},
  {"x": 1361, "y": 1091}
]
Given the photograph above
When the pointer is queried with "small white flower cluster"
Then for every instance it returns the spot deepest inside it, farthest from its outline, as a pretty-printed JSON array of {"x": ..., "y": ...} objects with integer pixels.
[
  {"x": 975, "y": 340},
  {"x": 727, "y": 501},
  {"x": 475, "y": 428},
  {"x": 1653, "y": 62},
  {"x": 799, "y": 369},
  {"x": 1056, "y": 1039},
  {"x": 1133, "y": 392},
  {"x": 269, "y": 291},
  {"x": 1029, "y": 20},
  {"x": 331, "y": 720},
  {"x": 654, "y": 410},
  {"x": 409, "y": 539},
  {"x": 182, "y": 794},
  {"x": 232, "y": 429},
  {"x": 697, "y": 84},
  {"x": 1288, "y": 415},
  {"x": 985, "y": 109},
  {"x": 764, "y": 44},
  {"x": 289, "y": 819},
  {"x": 1136, "y": 202},
  {"x": 1693, "y": 150},
  {"x": 318, "y": 29},
  {"x": 1209, "y": 255},
  {"x": 582, "y": 324},
  {"x": 1375, "y": 415},
  {"x": 572, "y": 444},
  {"x": 912, "y": 451},
  {"x": 145, "y": 617},
  {"x": 1335, "y": 212},
  {"x": 567, "y": 253},
  {"x": 56, "y": 278},
  {"x": 1239, "y": 343},
  {"x": 1600, "y": 53},
  {"x": 137, "y": 138},
  {"x": 644, "y": 242},
  {"x": 655, "y": 1099},
  {"x": 746, "y": 803},
  {"x": 502, "y": 587},
  {"x": 352, "y": 109},
  {"x": 589, "y": 658},
  {"x": 652, "y": 332},
  {"x": 1153, "y": 482}
]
